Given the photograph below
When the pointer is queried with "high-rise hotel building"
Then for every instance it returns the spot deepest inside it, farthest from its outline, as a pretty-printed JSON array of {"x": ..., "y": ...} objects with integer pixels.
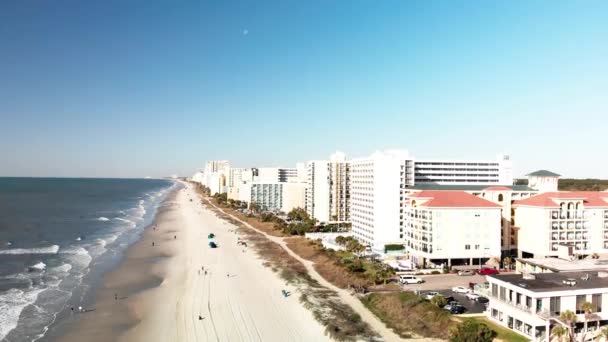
[
  {"x": 376, "y": 183},
  {"x": 327, "y": 189}
]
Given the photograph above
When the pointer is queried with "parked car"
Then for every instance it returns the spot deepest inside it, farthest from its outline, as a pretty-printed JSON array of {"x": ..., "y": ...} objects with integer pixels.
[
  {"x": 407, "y": 279},
  {"x": 212, "y": 244},
  {"x": 482, "y": 300},
  {"x": 460, "y": 289},
  {"x": 455, "y": 309},
  {"x": 472, "y": 296},
  {"x": 430, "y": 295},
  {"x": 466, "y": 273},
  {"x": 487, "y": 271}
]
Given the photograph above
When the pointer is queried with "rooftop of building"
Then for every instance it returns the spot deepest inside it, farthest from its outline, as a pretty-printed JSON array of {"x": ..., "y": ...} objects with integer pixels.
[
  {"x": 450, "y": 199},
  {"x": 553, "y": 282},
  {"x": 591, "y": 199},
  {"x": 565, "y": 265},
  {"x": 435, "y": 186},
  {"x": 543, "y": 173}
]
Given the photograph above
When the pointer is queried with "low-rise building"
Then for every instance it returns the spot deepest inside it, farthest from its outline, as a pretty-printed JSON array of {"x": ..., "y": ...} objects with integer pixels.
[
  {"x": 578, "y": 219},
  {"x": 503, "y": 196},
  {"x": 451, "y": 227},
  {"x": 556, "y": 265},
  {"x": 531, "y": 304}
]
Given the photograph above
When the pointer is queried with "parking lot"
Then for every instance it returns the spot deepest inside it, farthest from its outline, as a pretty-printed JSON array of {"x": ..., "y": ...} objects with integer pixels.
[{"x": 443, "y": 283}]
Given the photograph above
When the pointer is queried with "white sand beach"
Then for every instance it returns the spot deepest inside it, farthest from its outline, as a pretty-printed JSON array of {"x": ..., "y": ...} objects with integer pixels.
[{"x": 239, "y": 299}]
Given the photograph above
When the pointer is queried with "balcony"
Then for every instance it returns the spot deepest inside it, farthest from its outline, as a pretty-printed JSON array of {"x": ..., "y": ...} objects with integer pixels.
[{"x": 512, "y": 304}]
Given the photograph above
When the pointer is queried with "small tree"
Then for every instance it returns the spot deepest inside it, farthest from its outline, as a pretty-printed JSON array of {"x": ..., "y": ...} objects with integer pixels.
[
  {"x": 507, "y": 262},
  {"x": 602, "y": 335},
  {"x": 560, "y": 333},
  {"x": 472, "y": 331},
  {"x": 588, "y": 309},
  {"x": 439, "y": 301},
  {"x": 253, "y": 206},
  {"x": 569, "y": 318}
]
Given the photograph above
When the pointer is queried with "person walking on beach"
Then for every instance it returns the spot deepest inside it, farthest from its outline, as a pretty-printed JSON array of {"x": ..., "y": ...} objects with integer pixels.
[
  {"x": 116, "y": 296},
  {"x": 152, "y": 243},
  {"x": 175, "y": 237}
]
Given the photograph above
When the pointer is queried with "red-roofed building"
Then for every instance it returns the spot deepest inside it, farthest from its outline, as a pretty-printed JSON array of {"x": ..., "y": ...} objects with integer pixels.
[
  {"x": 578, "y": 219},
  {"x": 451, "y": 227}
]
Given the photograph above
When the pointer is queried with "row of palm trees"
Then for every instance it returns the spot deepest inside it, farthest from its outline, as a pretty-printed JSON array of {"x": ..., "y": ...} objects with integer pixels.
[{"x": 565, "y": 332}]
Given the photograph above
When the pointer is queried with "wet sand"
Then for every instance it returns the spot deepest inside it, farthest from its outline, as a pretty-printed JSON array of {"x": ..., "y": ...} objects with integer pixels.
[{"x": 162, "y": 295}]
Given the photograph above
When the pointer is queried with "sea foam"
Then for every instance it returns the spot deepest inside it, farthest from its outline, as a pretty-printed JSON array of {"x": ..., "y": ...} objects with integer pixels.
[
  {"x": 103, "y": 219},
  {"x": 12, "y": 302},
  {"x": 42, "y": 250},
  {"x": 40, "y": 266}
]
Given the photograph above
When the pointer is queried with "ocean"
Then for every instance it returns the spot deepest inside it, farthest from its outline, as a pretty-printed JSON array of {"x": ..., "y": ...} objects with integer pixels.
[{"x": 57, "y": 236}]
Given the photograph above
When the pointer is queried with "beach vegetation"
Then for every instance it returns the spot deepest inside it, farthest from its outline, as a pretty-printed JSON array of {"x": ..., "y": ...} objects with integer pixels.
[
  {"x": 471, "y": 331},
  {"x": 407, "y": 313}
]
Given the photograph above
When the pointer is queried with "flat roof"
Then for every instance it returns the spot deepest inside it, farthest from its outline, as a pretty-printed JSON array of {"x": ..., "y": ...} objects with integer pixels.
[
  {"x": 563, "y": 265},
  {"x": 550, "y": 282}
]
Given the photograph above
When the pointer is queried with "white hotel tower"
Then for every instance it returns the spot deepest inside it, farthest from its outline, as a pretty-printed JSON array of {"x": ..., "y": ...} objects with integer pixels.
[
  {"x": 465, "y": 172},
  {"x": 376, "y": 183},
  {"x": 328, "y": 189}
]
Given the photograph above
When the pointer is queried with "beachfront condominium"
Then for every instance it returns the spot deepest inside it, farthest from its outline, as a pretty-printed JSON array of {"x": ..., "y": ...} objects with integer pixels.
[
  {"x": 376, "y": 183},
  {"x": 328, "y": 188},
  {"x": 214, "y": 176},
  {"x": 450, "y": 228},
  {"x": 465, "y": 172},
  {"x": 549, "y": 221},
  {"x": 279, "y": 174},
  {"x": 273, "y": 196},
  {"x": 217, "y": 166},
  {"x": 236, "y": 176}
]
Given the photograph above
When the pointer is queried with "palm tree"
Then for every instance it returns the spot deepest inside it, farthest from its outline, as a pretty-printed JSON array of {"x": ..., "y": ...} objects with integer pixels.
[
  {"x": 569, "y": 318},
  {"x": 507, "y": 262},
  {"x": 602, "y": 335},
  {"x": 588, "y": 309},
  {"x": 559, "y": 332}
]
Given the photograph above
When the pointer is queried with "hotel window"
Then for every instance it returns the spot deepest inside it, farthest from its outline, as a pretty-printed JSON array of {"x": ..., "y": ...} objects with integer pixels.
[
  {"x": 554, "y": 305},
  {"x": 580, "y": 299},
  {"x": 467, "y": 247},
  {"x": 596, "y": 300}
]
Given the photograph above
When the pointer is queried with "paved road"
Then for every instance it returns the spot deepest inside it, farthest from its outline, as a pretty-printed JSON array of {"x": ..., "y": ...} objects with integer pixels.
[{"x": 445, "y": 281}]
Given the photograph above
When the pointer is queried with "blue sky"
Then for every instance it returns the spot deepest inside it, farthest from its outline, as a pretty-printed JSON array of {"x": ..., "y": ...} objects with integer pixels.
[{"x": 138, "y": 88}]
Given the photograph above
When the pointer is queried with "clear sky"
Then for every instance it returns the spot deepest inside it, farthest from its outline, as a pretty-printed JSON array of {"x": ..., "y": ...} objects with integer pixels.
[{"x": 152, "y": 88}]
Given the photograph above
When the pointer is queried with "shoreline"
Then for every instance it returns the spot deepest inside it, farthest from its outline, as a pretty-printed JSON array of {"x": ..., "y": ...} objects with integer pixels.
[
  {"x": 109, "y": 317},
  {"x": 164, "y": 296}
]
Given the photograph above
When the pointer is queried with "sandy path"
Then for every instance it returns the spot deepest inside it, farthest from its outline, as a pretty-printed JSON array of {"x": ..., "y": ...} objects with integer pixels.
[
  {"x": 367, "y": 316},
  {"x": 245, "y": 306}
]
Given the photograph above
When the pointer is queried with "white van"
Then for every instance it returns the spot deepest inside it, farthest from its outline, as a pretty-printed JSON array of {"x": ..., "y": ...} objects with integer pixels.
[{"x": 408, "y": 279}]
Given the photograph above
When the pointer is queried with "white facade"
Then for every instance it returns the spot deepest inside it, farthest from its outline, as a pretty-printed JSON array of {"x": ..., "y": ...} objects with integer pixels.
[
  {"x": 543, "y": 181},
  {"x": 278, "y": 174},
  {"x": 273, "y": 196},
  {"x": 577, "y": 219},
  {"x": 318, "y": 190},
  {"x": 465, "y": 172},
  {"x": 376, "y": 184},
  {"x": 221, "y": 166},
  {"x": 447, "y": 226},
  {"x": 328, "y": 189},
  {"x": 293, "y": 196},
  {"x": 531, "y": 304}
]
